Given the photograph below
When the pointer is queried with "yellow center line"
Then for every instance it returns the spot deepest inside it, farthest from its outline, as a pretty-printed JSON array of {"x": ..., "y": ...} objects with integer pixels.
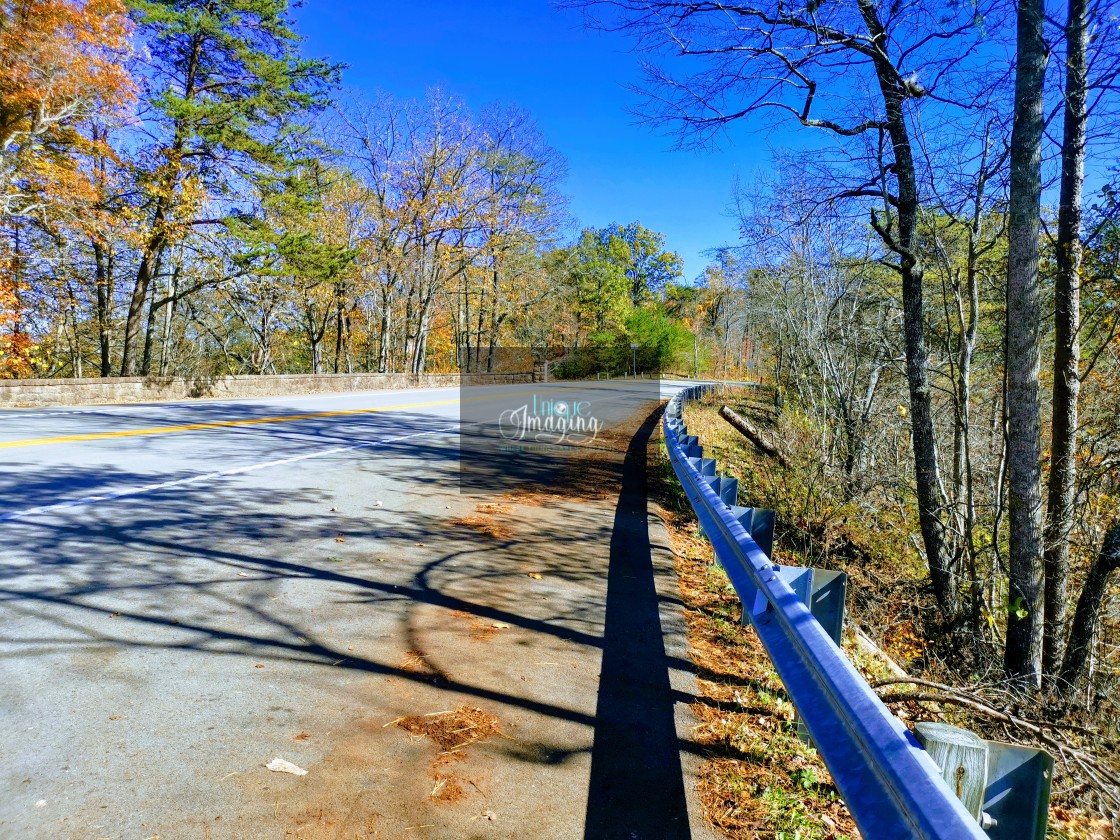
[{"x": 256, "y": 421}]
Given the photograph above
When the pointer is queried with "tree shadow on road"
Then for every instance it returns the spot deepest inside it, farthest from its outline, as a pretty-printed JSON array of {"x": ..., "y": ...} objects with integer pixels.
[
  {"x": 637, "y": 787},
  {"x": 229, "y": 570}
]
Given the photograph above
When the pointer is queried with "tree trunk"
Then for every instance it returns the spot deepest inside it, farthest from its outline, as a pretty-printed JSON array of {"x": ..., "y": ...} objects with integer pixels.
[
  {"x": 1023, "y": 655},
  {"x": 339, "y": 324},
  {"x": 157, "y": 240},
  {"x": 495, "y": 318},
  {"x": 1067, "y": 348},
  {"x": 926, "y": 475},
  {"x": 150, "y": 326},
  {"x": 462, "y": 336},
  {"x": 420, "y": 347},
  {"x": 964, "y": 396},
  {"x": 168, "y": 320},
  {"x": 383, "y": 339},
  {"x": 1087, "y": 613},
  {"x": 743, "y": 427},
  {"x": 103, "y": 262},
  {"x": 135, "y": 316}
]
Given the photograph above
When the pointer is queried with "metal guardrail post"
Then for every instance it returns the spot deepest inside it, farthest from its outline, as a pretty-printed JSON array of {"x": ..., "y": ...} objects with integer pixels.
[
  {"x": 1017, "y": 798},
  {"x": 759, "y": 523},
  {"x": 823, "y": 591}
]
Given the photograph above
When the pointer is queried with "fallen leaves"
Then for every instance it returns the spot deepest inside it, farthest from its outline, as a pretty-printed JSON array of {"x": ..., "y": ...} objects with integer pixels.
[
  {"x": 453, "y": 730},
  {"x": 492, "y": 508},
  {"x": 447, "y": 789},
  {"x": 479, "y": 629},
  {"x": 485, "y": 526}
]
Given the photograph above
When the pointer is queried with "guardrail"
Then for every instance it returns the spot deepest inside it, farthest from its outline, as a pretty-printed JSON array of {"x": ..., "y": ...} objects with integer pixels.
[{"x": 891, "y": 785}]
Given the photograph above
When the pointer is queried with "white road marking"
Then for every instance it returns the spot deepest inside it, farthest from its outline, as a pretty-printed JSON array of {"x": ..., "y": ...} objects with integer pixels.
[{"x": 195, "y": 479}]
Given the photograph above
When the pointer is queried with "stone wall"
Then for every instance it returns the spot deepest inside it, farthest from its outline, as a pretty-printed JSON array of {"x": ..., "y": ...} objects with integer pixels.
[{"x": 47, "y": 392}]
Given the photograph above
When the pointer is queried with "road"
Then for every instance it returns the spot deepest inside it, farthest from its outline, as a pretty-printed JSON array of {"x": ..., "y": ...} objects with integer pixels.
[{"x": 192, "y": 589}]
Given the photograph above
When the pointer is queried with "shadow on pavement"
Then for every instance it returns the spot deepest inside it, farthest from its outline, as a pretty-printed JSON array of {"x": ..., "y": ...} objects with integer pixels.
[
  {"x": 217, "y": 570},
  {"x": 637, "y": 789}
]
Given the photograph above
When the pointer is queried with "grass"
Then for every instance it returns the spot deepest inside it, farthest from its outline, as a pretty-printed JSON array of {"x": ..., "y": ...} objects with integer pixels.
[{"x": 760, "y": 780}]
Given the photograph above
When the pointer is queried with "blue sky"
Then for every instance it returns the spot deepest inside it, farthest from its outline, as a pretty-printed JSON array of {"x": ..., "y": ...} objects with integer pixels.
[{"x": 572, "y": 80}]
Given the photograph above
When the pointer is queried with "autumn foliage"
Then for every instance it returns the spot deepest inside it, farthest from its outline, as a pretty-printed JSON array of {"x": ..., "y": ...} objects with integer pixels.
[
  {"x": 60, "y": 64},
  {"x": 15, "y": 345}
]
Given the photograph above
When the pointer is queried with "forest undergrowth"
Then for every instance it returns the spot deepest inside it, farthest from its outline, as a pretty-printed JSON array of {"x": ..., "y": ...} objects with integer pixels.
[{"x": 892, "y": 634}]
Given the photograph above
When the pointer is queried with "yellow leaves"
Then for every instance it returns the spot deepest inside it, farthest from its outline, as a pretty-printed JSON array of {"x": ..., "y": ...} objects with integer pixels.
[
  {"x": 60, "y": 55},
  {"x": 61, "y": 63},
  {"x": 16, "y": 347}
]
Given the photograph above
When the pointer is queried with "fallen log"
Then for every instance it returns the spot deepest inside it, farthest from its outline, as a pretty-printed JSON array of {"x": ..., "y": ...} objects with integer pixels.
[{"x": 743, "y": 426}]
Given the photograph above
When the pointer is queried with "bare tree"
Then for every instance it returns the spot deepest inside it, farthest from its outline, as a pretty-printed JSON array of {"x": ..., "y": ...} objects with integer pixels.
[
  {"x": 1023, "y": 653},
  {"x": 1067, "y": 346},
  {"x": 1086, "y": 615},
  {"x": 806, "y": 61}
]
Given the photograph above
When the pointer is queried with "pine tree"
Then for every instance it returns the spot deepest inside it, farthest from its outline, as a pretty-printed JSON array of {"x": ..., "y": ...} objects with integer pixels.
[{"x": 227, "y": 86}]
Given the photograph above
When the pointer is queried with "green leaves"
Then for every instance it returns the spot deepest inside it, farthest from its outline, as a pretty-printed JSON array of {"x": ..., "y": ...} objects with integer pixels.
[
  {"x": 659, "y": 338},
  {"x": 641, "y": 254},
  {"x": 226, "y": 76}
]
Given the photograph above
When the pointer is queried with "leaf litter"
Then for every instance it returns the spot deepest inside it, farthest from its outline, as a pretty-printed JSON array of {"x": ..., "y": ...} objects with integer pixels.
[{"x": 453, "y": 730}]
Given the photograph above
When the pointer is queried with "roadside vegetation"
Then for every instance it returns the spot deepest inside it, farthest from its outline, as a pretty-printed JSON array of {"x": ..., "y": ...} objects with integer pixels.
[
  {"x": 760, "y": 779},
  {"x": 931, "y": 292},
  {"x": 894, "y": 636},
  {"x": 184, "y": 192}
]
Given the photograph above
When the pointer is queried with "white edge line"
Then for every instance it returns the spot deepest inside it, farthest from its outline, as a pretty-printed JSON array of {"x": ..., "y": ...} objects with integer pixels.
[{"x": 194, "y": 479}]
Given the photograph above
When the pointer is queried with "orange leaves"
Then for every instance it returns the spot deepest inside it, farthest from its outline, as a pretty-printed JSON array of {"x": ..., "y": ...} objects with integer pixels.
[
  {"x": 15, "y": 345},
  {"x": 60, "y": 58},
  {"x": 61, "y": 62}
]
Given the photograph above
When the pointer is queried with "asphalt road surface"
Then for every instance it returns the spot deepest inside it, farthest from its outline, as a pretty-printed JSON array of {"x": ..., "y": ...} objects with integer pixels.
[{"x": 189, "y": 590}]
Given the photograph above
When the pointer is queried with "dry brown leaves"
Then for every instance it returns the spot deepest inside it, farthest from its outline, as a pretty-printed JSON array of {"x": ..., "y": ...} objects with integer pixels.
[
  {"x": 492, "y": 508},
  {"x": 447, "y": 789},
  {"x": 483, "y": 521},
  {"x": 484, "y": 525},
  {"x": 733, "y": 814},
  {"x": 453, "y": 730},
  {"x": 1079, "y": 826},
  {"x": 480, "y": 630},
  {"x": 416, "y": 662},
  {"x": 531, "y": 496},
  {"x": 743, "y": 716}
]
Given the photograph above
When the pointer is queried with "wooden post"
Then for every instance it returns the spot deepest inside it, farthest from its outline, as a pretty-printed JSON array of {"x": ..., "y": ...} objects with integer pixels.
[{"x": 962, "y": 757}]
